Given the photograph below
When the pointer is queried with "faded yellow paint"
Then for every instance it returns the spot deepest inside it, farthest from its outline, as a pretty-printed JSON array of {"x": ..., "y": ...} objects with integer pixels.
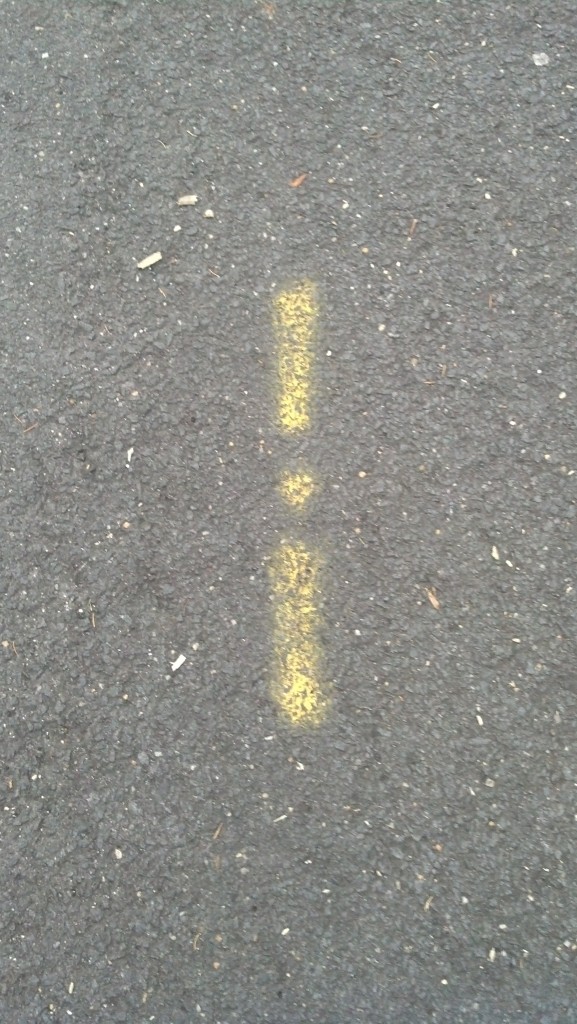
[
  {"x": 296, "y": 488},
  {"x": 295, "y": 314},
  {"x": 298, "y": 659}
]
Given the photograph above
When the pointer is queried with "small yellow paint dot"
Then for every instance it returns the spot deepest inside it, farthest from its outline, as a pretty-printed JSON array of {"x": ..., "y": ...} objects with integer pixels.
[{"x": 296, "y": 488}]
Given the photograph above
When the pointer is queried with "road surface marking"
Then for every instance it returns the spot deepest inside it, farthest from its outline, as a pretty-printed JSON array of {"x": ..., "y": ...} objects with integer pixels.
[
  {"x": 296, "y": 488},
  {"x": 297, "y": 653},
  {"x": 295, "y": 314}
]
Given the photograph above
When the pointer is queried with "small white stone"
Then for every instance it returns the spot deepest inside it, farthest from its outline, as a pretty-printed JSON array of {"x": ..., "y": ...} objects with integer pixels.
[
  {"x": 118, "y": 854},
  {"x": 540, "y": 59},
  {"x": 209, "y": 214}
]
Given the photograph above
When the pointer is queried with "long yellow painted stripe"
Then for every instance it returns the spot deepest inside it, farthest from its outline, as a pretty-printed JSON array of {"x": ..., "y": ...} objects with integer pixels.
[
  {"x": 295, "y": 316},
  {"x": 297, "y": 651}
]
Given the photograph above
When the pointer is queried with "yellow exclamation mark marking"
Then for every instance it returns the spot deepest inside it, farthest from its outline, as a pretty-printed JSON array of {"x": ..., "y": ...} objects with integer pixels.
[
  {"x": 294, "y": 575},
  {"x": 295, "y": 569},
  {"x": 295, "y": 315}
]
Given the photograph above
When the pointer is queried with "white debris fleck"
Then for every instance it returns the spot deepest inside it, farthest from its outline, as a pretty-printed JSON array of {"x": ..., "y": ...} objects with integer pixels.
[
  {"x": 129, "y": 455},
  {"x": 149, "y": 261},
  {"x": 177, "y": 664},
  {"x": 345, "y": 205},
  {"x": 495, "y": 553},
  {"x": 479, "y": 719},
  {"x": 209, "y": 214},
  {"x": 492, "y": 955},
  {"x": 285, "y": 931},
  {"x": 195, "y": 646},
  {"x": 177, "y": 227},
  {"x": 187, "y": 200},
  {"x": 562, "y": 395},
  {"x": 71, "y": 988},
  {"x": 540, "y": 59},
  {"x": 490, "y": 783},
  {"x": 118, "y": 854}
]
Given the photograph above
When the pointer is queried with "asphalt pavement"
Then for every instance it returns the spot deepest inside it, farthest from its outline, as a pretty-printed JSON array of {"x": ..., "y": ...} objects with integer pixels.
[{"x": 289, "y": 687}]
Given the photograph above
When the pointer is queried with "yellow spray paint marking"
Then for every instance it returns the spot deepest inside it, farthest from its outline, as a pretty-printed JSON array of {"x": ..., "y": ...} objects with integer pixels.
[
  {"x": 297, "y": 685},
  {"x": 296, "y": 488},
  {"x": 295, "y": 315}
]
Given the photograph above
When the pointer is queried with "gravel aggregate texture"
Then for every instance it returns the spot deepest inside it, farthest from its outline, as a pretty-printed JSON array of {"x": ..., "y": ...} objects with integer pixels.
[{"x": 172, "y": 850}]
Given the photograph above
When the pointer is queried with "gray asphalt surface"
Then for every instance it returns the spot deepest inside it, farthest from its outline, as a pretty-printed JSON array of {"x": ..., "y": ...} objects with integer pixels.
[{"x": 172, "y": 850}]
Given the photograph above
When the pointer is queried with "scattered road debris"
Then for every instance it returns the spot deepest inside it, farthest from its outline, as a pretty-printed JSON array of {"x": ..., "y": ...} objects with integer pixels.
[
  {"x": 297, "y": 182},
  {"x": 149, "y": 261}
]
